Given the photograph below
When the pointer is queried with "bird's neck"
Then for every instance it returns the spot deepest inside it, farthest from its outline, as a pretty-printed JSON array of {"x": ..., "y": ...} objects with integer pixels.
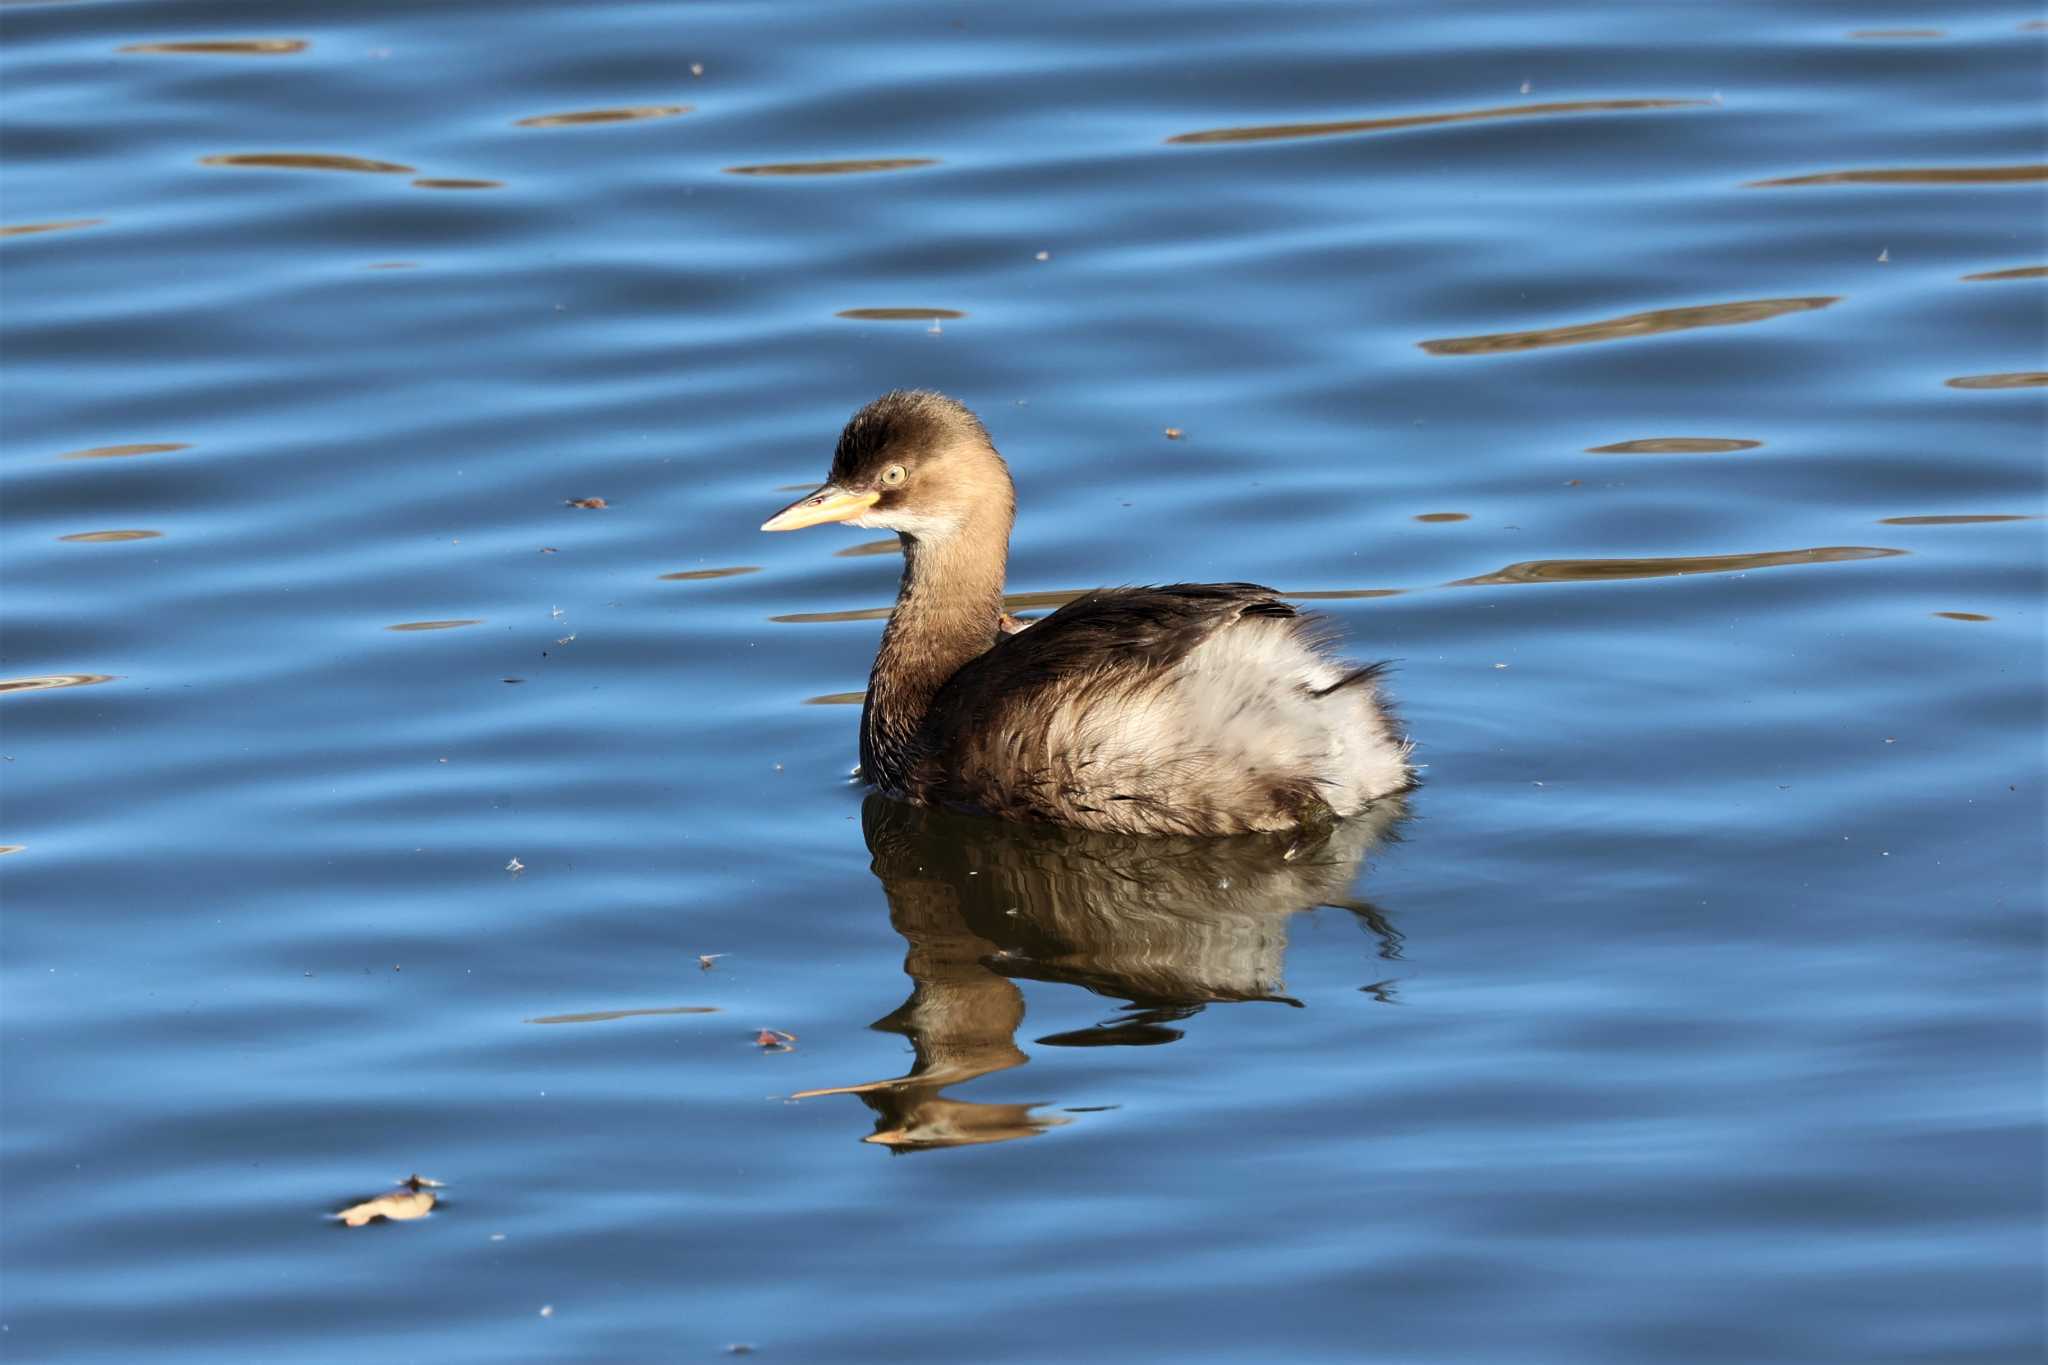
[{"x": 947, "y": 610}]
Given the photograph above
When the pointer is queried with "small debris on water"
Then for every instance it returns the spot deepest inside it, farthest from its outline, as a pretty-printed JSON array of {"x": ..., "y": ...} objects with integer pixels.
[
  {"x": 1528, "y": 86},
  {"x": 1042, "y": 256},
  {"x": 704, "y": 960},
  {"x": 1500, "y": 665},
  {"x": 775, "y": 1040},
  {"x": 515, "y": 867},
  {"x": 1884, "y": 257},
  {"x": 547, "y": 1310},
  {"x": 1173, "y": 433},
  {"x": 696, "y": 68},
  {"x": 414, "y": 1198},
  {"x": 589, "y": 504},
  {"x": 549, "y": 550},
  {"x": 509, "y": 680},
  {"x": 740, "y": 1348}
]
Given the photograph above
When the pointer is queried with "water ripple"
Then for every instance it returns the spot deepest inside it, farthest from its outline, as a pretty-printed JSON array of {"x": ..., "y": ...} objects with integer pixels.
[
  {"x": 1271, "y": 132},
  {"x": 59, "y": 225},
  {"x": 1609, "y": 570},
  {"x": 123, "y": 451},
  {"x": 862, "y": 167},
  {"x": 2018, "y": 379},
  {"x": 47, "y": 681},
  {"x": 225, "y": 47},
  {"x": 1918, "y": 175},
  {"x": 1676, "y": 445},
  {"x": 306, "y": 161},
  {"x": 584, "y": 117},
  {"x": 1631, "y": 326}
]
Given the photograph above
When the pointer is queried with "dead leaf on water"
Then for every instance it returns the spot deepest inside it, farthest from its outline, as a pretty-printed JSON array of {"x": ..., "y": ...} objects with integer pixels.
[
  {"x": 414, "y": 1198},
  {"x": 588, "y": 504},
  {"x": 775, "y": 1040}
]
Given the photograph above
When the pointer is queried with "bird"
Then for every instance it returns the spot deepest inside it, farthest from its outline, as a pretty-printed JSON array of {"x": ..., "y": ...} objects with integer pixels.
[{"x": 1203, "y": 709}]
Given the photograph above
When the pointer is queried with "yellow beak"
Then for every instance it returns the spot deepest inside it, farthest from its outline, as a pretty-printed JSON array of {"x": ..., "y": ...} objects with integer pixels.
[{"x": 820, "y": 505}]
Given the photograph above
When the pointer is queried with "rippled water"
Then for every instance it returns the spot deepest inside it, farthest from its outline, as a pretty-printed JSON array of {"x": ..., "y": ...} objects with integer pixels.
[{"x": 409, "y": 769}]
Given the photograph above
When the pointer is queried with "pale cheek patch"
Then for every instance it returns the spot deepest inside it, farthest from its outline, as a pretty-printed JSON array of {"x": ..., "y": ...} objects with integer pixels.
[{"x": 924, "y": 526}]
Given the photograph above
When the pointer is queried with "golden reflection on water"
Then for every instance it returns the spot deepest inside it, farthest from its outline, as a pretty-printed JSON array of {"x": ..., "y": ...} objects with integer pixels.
[
  {"x": 898, "y": 314},
  {"x": 1275, "y": 131},
  {"x": 837, "y": 699},
  {"x": 1917, "y": 175},
  {"x": 1630, "y": 326},
  {"x": 2023, "y": 379},
  {"x": 695, "y": 575},
  {"x": 436, "y": 625},
  {"x": 306, "y": 161},
  {"x": 1963, "y": 616},
  {"x": 894, "y": 163},
  {"x": 448, "y": 183},
  {"x": 103, "y": 537},
  {"x": 62, "y": 225},
  {"x": 49, "y": 680},
  {"x": 1957, "y": 520},
  {"x": 2023, "y": 272},
  {"x": 6, "y": 849},
  {"x": 1607, "y": 570},
  {"x": 1170, "y": 926},
  {"x": 225, "y": 47},
  {"x": 586, "y": 116},
  {"x": 1675, "y": 445},
  {"x": 605, "y": 1016},
  {"x": 119, "y": 452},
  {"x": 1436, "y": 517},
  {"x": 892, "y": 546}
]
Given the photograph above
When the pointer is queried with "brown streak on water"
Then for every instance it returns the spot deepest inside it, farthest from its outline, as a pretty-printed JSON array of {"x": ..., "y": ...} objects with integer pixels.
[
  {"x": 1957, "y": 520},
  {"x": 1630, "y": 326},
  {"x": 118, "y": 452},
  {"x": 1272, "y": 132},
  {"x": 104, "y": 537},
  {"x": 1608, "y": 570},
  {"x": 47, "y": 681},
  {"x": 60, "y": 225},
  {"x": 1676, "y": 445},
  {"x": 898, "y": 314},
  {"x": 306, "y": 161},
  {"x": 872, "y": 164},
  {"x": 224, "y": 47},
  {"x": 2023, "y": 272},
  {"x": 449, "y": 183},
  {"x": 436, "y": 625},
  {"x": 2020, "y": 379},
  {"x": 1964, "y": 616},
  {"x": 603, "y": 1016},
  {"x": 1916, "y": 175},
  {"x": 581, "y": 118},
  {"x": 695, "y": 575}
]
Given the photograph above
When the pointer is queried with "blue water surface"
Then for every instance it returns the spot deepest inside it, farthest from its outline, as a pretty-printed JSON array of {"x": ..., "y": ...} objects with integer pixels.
[{"x": 1661, "y": 384}]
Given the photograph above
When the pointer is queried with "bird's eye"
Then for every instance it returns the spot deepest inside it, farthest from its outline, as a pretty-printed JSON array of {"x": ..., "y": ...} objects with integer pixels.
[{"x": 894, "y": 475}]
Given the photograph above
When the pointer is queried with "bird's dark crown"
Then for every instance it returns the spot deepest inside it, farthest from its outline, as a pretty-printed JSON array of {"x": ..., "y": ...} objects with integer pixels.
[{"x": 898, "y": 427}]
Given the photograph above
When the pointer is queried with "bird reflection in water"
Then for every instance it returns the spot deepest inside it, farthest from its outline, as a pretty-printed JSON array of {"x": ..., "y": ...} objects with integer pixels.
[{"x": 1168, "y": 925}]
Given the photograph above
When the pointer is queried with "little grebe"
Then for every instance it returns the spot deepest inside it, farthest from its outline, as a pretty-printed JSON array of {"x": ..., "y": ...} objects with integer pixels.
[{"x": 1192, "y": 708}]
